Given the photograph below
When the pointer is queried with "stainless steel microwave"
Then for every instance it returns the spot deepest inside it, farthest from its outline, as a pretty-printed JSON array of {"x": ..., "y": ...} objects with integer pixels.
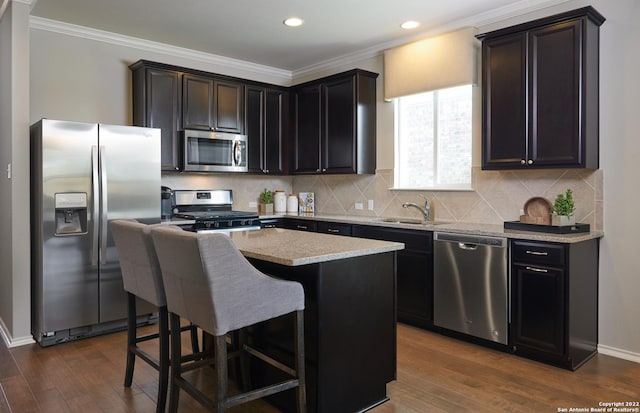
[{"x": 205, "y": 151}]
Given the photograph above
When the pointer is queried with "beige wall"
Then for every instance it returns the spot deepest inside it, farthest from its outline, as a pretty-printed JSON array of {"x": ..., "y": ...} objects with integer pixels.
[
  {"x": 82, "y": 79},
  {"x": 14, "y": 197}
]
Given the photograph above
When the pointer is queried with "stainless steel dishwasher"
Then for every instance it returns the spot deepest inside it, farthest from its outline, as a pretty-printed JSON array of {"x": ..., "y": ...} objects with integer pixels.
[{"x": 471, "y": 291}]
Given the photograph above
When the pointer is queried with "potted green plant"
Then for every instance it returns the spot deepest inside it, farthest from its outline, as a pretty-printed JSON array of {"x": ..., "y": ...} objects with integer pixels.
[
  {"x": 266, "y": 202},
  {"x": 563, "y": 209}
]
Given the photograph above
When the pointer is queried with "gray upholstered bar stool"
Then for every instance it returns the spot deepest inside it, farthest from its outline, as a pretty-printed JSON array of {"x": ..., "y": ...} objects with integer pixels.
[
  {"x": 142, "y": 278},
  {"x": 210, "y": 283}
]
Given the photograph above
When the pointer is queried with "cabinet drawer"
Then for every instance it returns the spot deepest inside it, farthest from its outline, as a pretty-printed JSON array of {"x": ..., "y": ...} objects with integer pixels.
[
  {"x": 416, "y": 240},
  {"x": 336, "y": 228},
  {"x": 301, "y": 224},
  {"x": 541, "y": 253}
]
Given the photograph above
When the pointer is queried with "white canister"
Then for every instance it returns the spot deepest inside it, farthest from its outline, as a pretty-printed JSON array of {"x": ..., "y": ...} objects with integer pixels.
[
  {"x": 279, "y": 201},
  {"x": 292, "y": 204}
]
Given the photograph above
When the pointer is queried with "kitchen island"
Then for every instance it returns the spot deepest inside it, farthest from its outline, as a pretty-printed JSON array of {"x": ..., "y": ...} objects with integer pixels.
[{"x": 350, "y": 315}]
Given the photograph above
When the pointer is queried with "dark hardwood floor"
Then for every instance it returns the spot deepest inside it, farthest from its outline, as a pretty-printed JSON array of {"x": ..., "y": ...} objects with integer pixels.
[{"x": 435, "y": 374}]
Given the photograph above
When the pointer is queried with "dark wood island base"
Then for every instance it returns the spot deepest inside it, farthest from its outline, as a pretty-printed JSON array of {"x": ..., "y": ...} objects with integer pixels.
[{"x": 350, "y": 332}]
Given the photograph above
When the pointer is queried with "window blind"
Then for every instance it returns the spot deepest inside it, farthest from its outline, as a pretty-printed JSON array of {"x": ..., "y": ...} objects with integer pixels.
[{"x": 438, "y": 62}]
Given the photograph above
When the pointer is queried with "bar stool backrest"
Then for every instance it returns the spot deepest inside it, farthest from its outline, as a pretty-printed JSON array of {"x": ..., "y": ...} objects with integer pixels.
[
  {"x": 210, "y": 283},
  {"x": 138, "y": 261}
]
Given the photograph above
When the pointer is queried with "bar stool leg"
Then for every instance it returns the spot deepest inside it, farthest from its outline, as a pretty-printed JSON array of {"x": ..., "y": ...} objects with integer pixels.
[
  {"x": 301, "y": 392},
  {"x": 176, "y": 350},
  {"x": 163, "y": 370},
  {"x": 221, "y": 373},
  {"x": 131, "y": 339}
]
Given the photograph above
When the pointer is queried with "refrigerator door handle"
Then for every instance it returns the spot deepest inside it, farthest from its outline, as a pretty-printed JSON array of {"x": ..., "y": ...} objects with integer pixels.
[
  {"x": 95, "y": 184},
  {"x": 104, "y": 208}
]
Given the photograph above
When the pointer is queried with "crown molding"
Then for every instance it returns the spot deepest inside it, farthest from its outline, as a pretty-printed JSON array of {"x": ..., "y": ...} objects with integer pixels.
[
  {"x": 280, "y": 76},
  {"x": 482, "y": 19},
  {"x": 262, "y": 72}
]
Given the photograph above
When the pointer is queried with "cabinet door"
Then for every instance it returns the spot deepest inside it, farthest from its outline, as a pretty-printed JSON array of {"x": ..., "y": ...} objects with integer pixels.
[
  {"x": 414, "y": 272},
  {"x": 228, "y": 113},
  {"x": 339, "y": 134},
  {"x": 276, "y": 121},
  {"x": 415, "y": 287},
  {"x": 504, "y": 102},
  {"x": 538, "y": 308},
  {"x": 254, "y": 128},
  {"x": 197, "y": 102},
  {"x": 161, "y": 110},
  {"x": 555, "y": 76},
  {"x": 266, "y": 120},
  {"x": 307, "y": 130}
]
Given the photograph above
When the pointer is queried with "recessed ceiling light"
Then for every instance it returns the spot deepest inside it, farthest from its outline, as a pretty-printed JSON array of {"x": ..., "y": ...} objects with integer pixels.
[
  {"x": 293, "y": 22},
  {"x": 408, "y": 25}
]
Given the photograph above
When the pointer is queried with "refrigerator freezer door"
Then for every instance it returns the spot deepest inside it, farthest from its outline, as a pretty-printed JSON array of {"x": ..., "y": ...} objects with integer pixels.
[
  {"x": 65, "y": 293},
  {"x": 130, "y": 182}
]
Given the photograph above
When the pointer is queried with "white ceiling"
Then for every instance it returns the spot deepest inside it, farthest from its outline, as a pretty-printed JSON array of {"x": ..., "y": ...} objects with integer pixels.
[{"x": 252, "y": 30}]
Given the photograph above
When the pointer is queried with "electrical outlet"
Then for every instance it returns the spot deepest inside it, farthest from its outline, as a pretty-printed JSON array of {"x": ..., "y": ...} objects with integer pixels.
[
  {"x": 253, "y": 204},
  {"x": 370, "y": 205},
  {"x": 358, "y": 205}
]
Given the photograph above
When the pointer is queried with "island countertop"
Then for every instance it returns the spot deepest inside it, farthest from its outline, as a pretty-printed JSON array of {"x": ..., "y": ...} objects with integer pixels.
[{"x": 293, "y": 248}]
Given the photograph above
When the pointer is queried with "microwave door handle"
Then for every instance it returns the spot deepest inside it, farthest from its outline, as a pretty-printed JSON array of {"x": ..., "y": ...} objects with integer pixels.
[{"x": 237, "y": 153}]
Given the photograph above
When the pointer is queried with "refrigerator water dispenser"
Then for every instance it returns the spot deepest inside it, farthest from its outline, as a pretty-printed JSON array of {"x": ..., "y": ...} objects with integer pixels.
[{"x": 71, "y": 213}]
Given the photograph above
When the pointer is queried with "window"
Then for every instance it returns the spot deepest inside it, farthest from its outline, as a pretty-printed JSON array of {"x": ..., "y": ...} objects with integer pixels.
[{"x": 433, "y": 139}]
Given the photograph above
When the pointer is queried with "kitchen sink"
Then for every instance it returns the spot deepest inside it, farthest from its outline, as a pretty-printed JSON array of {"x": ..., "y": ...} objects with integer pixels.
[{"x": 408, "y": 221}]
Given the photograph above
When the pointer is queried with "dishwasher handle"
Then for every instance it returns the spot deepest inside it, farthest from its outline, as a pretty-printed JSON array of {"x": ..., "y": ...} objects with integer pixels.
[
  {"x": 467, "y": 246},
  {"x": 470, "y": 242}
]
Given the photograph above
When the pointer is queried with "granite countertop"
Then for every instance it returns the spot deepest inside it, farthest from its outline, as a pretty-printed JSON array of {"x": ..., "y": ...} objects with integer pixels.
[
  {"x": 293, "y": 248},
  {"x": 496, "y": 230}
]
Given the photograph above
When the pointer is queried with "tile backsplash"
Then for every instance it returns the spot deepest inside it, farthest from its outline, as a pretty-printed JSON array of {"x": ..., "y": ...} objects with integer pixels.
[{"x": 498, "y": 196}]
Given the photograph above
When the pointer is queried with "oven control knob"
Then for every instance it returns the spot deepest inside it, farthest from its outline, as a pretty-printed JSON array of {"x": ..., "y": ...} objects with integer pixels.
[{"x": 230, "y": 223}]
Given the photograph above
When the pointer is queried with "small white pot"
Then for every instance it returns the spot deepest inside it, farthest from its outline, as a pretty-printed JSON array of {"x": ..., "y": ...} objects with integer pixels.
[{"x": 563, "y": 220}]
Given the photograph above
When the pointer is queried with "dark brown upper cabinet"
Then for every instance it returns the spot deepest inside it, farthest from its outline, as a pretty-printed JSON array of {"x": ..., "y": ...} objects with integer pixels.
[
  {"x": 335, "y": 124},
  {"x": 212, "y": 104},
  {"x": 266, "y": 127},
  {"x": 156, "y": 104},
  {"x": 334, "y": 118},
  {"x": 540, "y": 84}
]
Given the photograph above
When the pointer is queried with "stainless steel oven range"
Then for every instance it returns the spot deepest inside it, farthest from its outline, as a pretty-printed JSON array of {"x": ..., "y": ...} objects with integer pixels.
[{"x": 211, "y": 210}]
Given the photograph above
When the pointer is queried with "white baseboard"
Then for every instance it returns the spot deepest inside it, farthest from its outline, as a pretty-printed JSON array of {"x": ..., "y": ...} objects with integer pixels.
[
  {"x": 619, "y": 353},
  {"x": 13, "y": 341}
]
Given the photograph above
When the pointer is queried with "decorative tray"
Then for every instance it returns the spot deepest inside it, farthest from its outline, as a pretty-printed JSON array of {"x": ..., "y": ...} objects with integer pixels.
[{"x": 551, "y": 229}]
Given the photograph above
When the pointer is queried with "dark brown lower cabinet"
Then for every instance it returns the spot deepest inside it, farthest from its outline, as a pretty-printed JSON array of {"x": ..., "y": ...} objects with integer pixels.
[
  {"x": 555, "y": 301},
  {"x": 414, "y": 272}
]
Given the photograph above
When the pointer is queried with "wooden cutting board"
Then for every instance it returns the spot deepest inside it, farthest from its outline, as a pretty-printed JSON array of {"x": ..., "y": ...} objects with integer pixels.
[{"x": 537, "y": 210}]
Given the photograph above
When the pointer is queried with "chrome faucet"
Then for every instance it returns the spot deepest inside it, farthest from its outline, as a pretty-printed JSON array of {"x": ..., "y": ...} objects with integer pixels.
[{"x": 426, "y": 212}]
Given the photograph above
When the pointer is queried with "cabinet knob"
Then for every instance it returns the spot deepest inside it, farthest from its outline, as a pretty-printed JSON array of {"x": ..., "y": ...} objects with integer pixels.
[
  {"x": 324, "y": 169},
  {"x": 530, "y": 161},
  {"x": 522, "y": 162}
]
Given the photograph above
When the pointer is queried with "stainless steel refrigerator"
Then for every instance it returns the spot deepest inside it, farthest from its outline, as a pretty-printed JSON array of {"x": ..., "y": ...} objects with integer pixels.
[{"x": 83, "y": 176}]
